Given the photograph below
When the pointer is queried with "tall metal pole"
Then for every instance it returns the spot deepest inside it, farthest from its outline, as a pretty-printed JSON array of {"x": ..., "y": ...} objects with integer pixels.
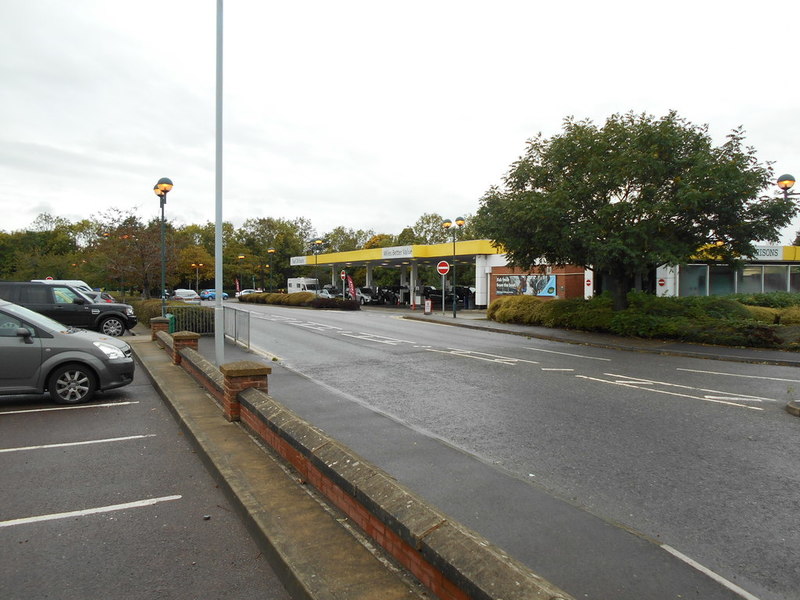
[
  {"x": 454, "y": 272},
  {"x": 219, "y": 313},
  {"x": 163, "y": 199}
]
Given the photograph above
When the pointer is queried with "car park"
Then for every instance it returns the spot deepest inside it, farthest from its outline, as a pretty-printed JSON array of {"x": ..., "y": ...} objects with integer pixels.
[
  {"x": 188, "y": 296},
  {"x": 69, "y": 306},
  {"x": 212, "y": 295},
  {"x": 38, "y": 354}
]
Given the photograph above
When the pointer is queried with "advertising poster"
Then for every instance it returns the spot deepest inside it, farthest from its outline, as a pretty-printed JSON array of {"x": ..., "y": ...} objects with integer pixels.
[{"x": 526, "y": 285}]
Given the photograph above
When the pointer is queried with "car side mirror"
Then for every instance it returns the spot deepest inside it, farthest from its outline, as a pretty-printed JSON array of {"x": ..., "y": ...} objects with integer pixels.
[
  {"x": 79, "y": 301},
  {"x": 25, "y": 334}
]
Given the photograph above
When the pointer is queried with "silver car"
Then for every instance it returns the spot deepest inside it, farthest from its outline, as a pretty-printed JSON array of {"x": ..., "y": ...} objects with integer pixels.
[{"x": 38, "y": 354}]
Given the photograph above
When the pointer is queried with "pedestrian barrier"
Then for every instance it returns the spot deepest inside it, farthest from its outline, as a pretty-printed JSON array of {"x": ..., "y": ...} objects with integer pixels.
[{"x": 237, "y": 326}]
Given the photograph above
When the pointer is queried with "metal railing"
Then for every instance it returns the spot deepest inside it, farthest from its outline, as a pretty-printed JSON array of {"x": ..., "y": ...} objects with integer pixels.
[
  {"x": 200, "y": 319},
  {"x": 237, "y": 326}
]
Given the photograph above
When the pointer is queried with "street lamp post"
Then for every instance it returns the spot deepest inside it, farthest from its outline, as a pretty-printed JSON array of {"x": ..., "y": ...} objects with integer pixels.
[
  {"x": 197, "y": 276},
  {"x": 271, "y": 251},
  {"x": 448, "y": 224},
  {"x": 316, "y": 246},
  {"x": 239, "y": 286},
  {"x": 162, "y": 188}
]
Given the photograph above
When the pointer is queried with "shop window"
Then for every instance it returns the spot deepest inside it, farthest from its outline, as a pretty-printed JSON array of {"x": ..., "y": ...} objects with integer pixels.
[
  {"x": 775, "y": 278},
  {"x": 692, "y": 280},
  {"x": 722, "y": 279},
  {"x": 794, "y": 279},
  {"x": 750, "y": 279}
]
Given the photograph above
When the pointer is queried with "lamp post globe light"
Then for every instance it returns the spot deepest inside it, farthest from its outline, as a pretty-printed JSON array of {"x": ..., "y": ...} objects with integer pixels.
[
  {"x": 448, "y": 225},
  {"x": 161, "y": 189},
  {"x": 786, "y": 182}
]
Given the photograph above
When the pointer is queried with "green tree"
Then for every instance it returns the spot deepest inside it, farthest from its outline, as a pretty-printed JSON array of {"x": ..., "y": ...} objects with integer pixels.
[{"x": 623, "y": 198}]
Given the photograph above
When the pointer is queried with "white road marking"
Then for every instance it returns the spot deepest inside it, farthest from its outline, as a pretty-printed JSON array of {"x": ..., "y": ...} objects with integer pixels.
[
  {"x": 33, "y": 410},
  {"x": 722, "y": 395},
  {"x": 369, "y": 337},
  {"x": 548, "y": 369},
  {"x": 568, "y": 354},
  {"x": 740, "y": 375},
  {"x": 505, "y": 360},
  {"x": 88, "y": 511},
  {"x": 706, "y": 571},
  {"x": 84, "y": 443},
  {"x": 636, "y": 387}
]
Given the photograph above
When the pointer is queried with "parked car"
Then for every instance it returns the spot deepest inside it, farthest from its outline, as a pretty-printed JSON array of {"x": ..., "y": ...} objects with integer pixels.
[
  {"x": 98, "y": 296},
  {"x": 245, "y": 292},
  {"x": 188, "y": 296},
  {"x": 212, "y": 295},
  {"x": 69, "y": 306},
  {"x": 367, "y": 295},
  {"x": 38, "y": 354},
  {"x": 76, "y": 284},
  {"x": 325, "y": 294}
]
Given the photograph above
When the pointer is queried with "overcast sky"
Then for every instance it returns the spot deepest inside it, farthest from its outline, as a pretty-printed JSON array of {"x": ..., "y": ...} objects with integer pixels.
[{"x": 365, "y": 114}]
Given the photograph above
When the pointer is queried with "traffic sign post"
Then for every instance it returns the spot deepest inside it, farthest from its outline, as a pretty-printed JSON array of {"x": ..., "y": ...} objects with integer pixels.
[{"x": 443, "y": 267}]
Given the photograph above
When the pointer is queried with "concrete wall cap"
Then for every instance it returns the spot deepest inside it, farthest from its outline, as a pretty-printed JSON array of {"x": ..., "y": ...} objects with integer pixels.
[
  {"x": 185, "y": 335},
  {"x": 243, "y": 368}
]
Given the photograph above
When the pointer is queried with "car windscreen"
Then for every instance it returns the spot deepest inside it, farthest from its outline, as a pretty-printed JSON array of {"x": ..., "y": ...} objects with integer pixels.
[{"x": 35, "y": 318}]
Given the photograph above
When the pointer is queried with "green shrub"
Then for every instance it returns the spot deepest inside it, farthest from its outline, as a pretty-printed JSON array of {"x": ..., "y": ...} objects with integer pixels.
[
  {"x": 770, "y": 299},
  {"x": 764, "y": 314},
  {"x": 335, "y": 303},
  {"x": 790, "y": 316}
]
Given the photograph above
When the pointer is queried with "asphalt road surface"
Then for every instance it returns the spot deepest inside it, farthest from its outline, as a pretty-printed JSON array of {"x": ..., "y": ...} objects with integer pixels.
[
  {"x": 697, "y": 457},
  {"x": 108, "y": 500}
]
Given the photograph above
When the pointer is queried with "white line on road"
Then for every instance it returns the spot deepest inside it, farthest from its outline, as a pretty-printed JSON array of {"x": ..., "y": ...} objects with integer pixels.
[
  {"x": 88, "y": 511},
  {"x": 84, "y": 443},
  {"x": 705, "y": 570},
  {"x": 636, "y": 387},
  {"x": 506, "y": 360},
  {"x": 33, "y": 410},
  {"x": 568, "y": 354},
  {"x": 723, "y": 395},
  {"x": 551, "y": 369},
  {"x": 740, "y": 375}
]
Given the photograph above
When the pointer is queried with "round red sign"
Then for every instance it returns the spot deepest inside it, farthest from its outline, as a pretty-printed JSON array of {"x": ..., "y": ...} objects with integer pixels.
[
  {"x": 662, "y": 282},
  {"x": 588, "y": 282},
  {"x": 343, "y": 275},
  {"x": 443, "y": 267}
]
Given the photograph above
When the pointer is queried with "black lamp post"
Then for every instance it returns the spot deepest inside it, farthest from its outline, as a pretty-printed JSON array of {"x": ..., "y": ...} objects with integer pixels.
[
  {"x": 447, "y": 225},
  {"x": 316, "y": 246},
  {"x": 161, "y": 189},
  {"x": 240, "y": 258},
  {"x": 271, "y": 261},
  {"x": 197, "y": 276}
]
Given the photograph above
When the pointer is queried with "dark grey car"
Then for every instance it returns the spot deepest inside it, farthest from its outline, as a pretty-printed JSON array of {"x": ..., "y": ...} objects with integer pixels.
[{"x": 38, "y": 354}]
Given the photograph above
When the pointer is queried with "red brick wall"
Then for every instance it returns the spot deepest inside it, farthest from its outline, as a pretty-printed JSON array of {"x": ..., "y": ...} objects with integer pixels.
[{"x": 569, "y": 280}]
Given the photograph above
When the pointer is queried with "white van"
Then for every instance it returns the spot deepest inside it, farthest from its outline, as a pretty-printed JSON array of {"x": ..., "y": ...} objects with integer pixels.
[{"x": 79, "y": 285}]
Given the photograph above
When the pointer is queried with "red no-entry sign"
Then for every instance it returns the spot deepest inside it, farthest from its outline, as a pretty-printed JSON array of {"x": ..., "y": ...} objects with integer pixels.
[{"x": 443, "y": 267}]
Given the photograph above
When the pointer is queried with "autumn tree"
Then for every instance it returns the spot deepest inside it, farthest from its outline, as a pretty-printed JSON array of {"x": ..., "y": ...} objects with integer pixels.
[{"x": 635, "y": 193}]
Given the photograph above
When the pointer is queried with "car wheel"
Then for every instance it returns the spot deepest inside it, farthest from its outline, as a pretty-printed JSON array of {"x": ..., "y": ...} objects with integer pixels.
[
  {"x": 112, "y": 326},
  {"x": 71, "y": 384}
]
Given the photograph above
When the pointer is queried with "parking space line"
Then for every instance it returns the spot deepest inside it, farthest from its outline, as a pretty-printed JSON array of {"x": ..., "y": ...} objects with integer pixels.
[
  {"x": 33, "y": 410},
  {"x": 84, "y": 443},
  {"x": 88, "y": 511}
]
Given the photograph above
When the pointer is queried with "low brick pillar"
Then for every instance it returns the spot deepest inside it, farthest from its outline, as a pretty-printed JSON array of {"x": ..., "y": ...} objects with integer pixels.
[
  {"x": 180, "y": 340},
  {"x": 158, "y": 324},
  {"x": 240, "y": 376}
]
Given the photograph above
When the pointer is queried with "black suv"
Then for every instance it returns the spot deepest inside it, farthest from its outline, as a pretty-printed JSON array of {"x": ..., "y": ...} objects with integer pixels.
[{"x": 69, "y": 307}]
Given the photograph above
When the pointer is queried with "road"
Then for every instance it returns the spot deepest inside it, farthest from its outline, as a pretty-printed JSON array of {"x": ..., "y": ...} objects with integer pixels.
[
  {"x": 109, "y": 500},
  {"x": 697, "y": 456}
]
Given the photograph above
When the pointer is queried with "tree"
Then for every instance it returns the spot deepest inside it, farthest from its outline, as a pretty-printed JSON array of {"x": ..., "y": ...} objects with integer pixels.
[{"x": 639, "y": 192}]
